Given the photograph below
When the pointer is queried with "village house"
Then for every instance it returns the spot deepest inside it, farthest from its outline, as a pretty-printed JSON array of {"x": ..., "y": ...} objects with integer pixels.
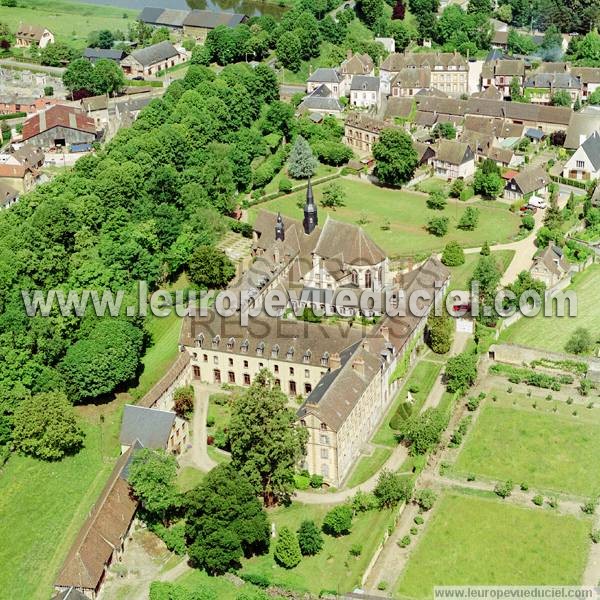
[
  {"x": 199, "y": 23},
  {"x": 8, "y": 195},
  {"x": 589, "y": 78},
  {"x": 525, "y": 184},
  {"x": 59, "y": 126},
  {"x": 153, "y": 428},
  {"x": 321, "y": 102},
  {"x": 362, "y": 131},
  {"x": 399, "y": 108},
  {"x": 550, "y": 266},
  {"x": 411, "y": 81},
  {"x": 365, "y": 91},
  {"x": 500, "y": 73},
  {"x": 585, "y": 162},
  {"x": 163, "y": 17},
  {"x": 581, "y": 125},
  {"x": 149, "y": 61},
  {"x": 454, "y": 160},
  {"x": 500, "y": 39},
  {"x": 449, "y": 70},
  {"x": 26, "y": 155},
  {"x": 10, "y": 105},
  {"x": 331, "y": 78},
  {"x": 18, "y": 177},
  {"x": 33, "y": 35},
  {"x": 539, "y": 88},
  {"x": 356, "y": 64},
  {"x": 425, "y": 152}
]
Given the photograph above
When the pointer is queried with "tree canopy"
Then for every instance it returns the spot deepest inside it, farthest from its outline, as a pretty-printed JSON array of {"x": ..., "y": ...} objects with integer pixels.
[{"x": 396, "y": 159}]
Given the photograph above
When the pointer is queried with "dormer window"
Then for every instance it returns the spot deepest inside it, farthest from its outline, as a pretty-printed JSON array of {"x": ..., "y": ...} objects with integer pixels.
[
  {"x": 303, "y": 422},
  {"x": 260, "y": 349},
  {"x": 325, "y": 359},
  {"x": 199, "y": 340},
  {"x": 275, "y": 351},
  {"x": 244, "y": 346},
  {"x": 230, "y": 343},
  {"x": 323, "y": 427},
  {"x": 306, "y": 357},
  {"x": 216, "y": 341},
  {"x": 290, "y": 353}
]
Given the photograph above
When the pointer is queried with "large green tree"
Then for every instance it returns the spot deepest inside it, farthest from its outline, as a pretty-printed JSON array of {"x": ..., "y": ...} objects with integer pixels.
[
  {"x": 288, "y": 51},
  {"x": 461, "y": 371},
  {"x": 396, "y": 159},
  {"x": 301, "y": 164},
  {"x": 266, "y": 443},
  {"x": 440, "y": 332},
  {"x": 45, "y": 427},
  {"x": 287, "y": 550},
  {"x": 224, "y": 521},
  {"x": 210, "y": 268}
]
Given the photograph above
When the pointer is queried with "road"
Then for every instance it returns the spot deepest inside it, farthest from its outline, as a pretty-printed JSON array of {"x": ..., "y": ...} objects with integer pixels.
[{"x": 7, "y": 62}]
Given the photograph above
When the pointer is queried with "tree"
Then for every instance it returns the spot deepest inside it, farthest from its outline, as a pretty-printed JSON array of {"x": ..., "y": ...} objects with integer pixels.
[
  {"x": 44, "y": 426},
  {"x": 101, "y": 39},
  {"x": 396, "y": 159},
  {"x": 309, "y": 538},
  {"x": 561, "y": 98},
  {"x": 425, "y": 12},
  {"x": 152, "y": 476},
  {"x": 423, "y": 430},
  {"x": 401, "y": 33},
  {"x": 288, "y": 51},
  {"x": 161, "y": 34},
  {"x": 58, "y": 54},
  {"x": 183, "y": 401},
  {"x": 580, "y": 341},
  {"x": 369, "y": 11},
  {"x": 515, "y": 92},
  {"x": 333, "y": 196},
  {"x": 480, "y": 6},
  {"x": 79, "y": 75},
  {"x": 438, "y": 226},
  {"x": 425, "y": 498},
  {"x": 301, "y": 163},
  {"x": 519, "y": 43},
  {"x": 453, "y": 254},
  {"x": 210, "y": 268},
  {"x": 488, "y": 184},
  {"x": 107, "y": 77},
  {"x": 266, "y": 443},
  {"x": 399, "y": 11},
  {"x": 338, "y": 521},
  {"x": 461, "y": 371},
  {"x": 486, "y": 276},
  {"x": 287, "y": 551},
  {"x": 525, "y": 283},
  {"x": 552, "y": 38},
  {"x": 457, "y": 187},
  {"x": 392, "y": 489},
  {"x": 9, "y": 3},
  {"x": 504, "y": 13},
  {"x": 440, "y": 332},
  {"x": 469, "y": 219},
  {"x": 444, "y": 130},
  {"x": 7, "y": 38},
  {"x": 332, "y": 153},
  {"x": 436, "y": 200},
  {"x": 110, "y": 355},
  {"x": 224, "y": 521},
  {"x": 485, "y": 249}
]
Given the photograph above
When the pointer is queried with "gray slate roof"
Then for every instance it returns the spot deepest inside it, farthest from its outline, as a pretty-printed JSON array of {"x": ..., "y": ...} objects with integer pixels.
[
  {"x": 163, "y": 16},
  {"x": 553, "y": 81},
  {"x": 365, "y": 83},
  {"x": 210, "y": 19},
  {"x": 94, "y": 54},
  {"x": 150, "y": 426},
  {"x": 155, "y": 53},
  {"x": 70, "y": 594},
  {"x": 591, "y": 147},
  {"x": 324, "y": 75}
]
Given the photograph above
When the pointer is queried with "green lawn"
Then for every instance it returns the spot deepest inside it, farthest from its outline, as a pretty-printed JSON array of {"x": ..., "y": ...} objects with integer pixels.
[
  {"x": 43, "y": 505},
  {"x": 459, "y": 276},
  {"x": 273, "y": 185},
  {"x": 368, "y": 465},
  {"x": 70, "y": 22},
  {"x": 424, "y": 375},
  {"x": 188, "y": 478},
  {"x": 551, "y": 333},
  {"x": 408, "y": 215},
  {"x": 333, "y": 568},
  {"x": 544, "y": 449},
  {"x": 222, "y": 588},
  {"x": 477, "y": 541}
]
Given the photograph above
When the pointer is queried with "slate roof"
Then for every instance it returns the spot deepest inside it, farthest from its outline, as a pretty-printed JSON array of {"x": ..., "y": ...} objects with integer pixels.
[
  {"x": 320, "y": 99},
  {"x": 102, "y": 532},
  {"x": 552, "y": 81},
  {"x": 58, "y": 116},
  {"x": 152, "y": 427},
  {"x": 325, "y": 75},
  {"x": 155, "y": 53},
  {"x": 413, "y": 78},
  {"x": 163, "y": 16},
  {"x": 553, "y": 260},
  {"x": 534, "y": 134},
  {"x": 209, "y": 19},
  {"x": 70, "y": 594},
  {"x": 357, "y": 64},
  {"x": 532, "y": 180},
  {"x": 581, "y": 125},
  {"x": 365, "y": 83},
  {"x": 591, "y": 147},
  {"x": 396, "y": 61},
  {"x": 94, "y": 54}
]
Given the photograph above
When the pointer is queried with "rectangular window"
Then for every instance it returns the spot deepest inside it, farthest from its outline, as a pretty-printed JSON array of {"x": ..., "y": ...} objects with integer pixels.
[
  {"x": 205, "y": 357},
  {"x": 325, "y": 453},
  {"x": 231, "y": 377},
  {"x": 217, "y": 375},
  {"x": 292, "y": 388},
  {"x": 215, "y": 360},
  {"x": 276, "y": 368},
  {"x": 196, "y": 372},
  {"x": 291, "y": 370},
  {"x": 306, "y": 373},
  {"x": 245, "y": 364},
  {"x": 246, "y": 379},
  {"x": 580, "y": 164},
  {"x": 231, "y": 362},
  {"x": 307, "y": 388}
]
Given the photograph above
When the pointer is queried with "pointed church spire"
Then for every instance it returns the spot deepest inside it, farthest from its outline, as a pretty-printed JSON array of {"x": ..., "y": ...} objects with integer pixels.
[
  {"x": 279, "y": 228},
  {"x": 310, "y": 210}
]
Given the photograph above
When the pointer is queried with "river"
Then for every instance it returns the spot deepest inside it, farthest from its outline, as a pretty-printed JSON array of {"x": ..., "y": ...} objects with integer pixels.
[{"x": 247, "y": 7}]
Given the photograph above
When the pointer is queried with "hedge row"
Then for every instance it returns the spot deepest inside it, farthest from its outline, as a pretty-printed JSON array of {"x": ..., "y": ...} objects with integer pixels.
[
  {"x": 16, "y": 115},
  {"x": 574, "y": 366},
  {"x": 530, "y": 377}
]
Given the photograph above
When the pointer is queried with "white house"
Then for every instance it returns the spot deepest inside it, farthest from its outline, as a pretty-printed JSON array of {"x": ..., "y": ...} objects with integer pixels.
[
  {"x": 585, "y": 162},
  {"x": 149, "y": 61},
  {"x": 365, "y": 91},
  {"x": 331, "y": 78},
  {"x": 33, "y": 35},
  {"x": 454, "y": 160}
]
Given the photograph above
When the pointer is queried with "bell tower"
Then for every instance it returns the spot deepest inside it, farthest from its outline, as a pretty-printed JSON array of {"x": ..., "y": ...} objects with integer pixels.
[
  {"x": 279, "y": 228},
  {"x": 310, "y": 211}
]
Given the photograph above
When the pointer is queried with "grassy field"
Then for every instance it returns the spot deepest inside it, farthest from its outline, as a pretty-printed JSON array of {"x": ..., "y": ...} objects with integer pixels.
[
  {"x": 70, "y": 22},
  {"x": 43, "y": 505},
  {"x": 535, "y": 446},
  {"x": 333, "y": 568},
  {"x": 459, "y": 276},
  {"x": 424, "y": 374},
  {"x": 551, "y": 333},
  {"x": 273, "y": 185},
  {"x": 408, "y": 215},
  {"x": 222, "y": 588},
  {"x": 188, "y": 478},
  {"x": 477, "y": 541},
  {"x": 367, "y": 466}
]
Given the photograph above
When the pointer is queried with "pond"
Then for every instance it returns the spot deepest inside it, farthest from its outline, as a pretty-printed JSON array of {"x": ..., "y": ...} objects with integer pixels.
[{"x": 247, "y": 7}]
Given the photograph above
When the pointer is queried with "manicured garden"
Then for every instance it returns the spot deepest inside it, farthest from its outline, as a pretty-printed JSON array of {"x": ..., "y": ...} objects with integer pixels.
[
  {"x": 372, "y": 207},
  {"x": 334, "y": 568},
  {"x": 479, "y": 541},
  {"x": 460, "y": 276},
  {"x": 552, "y": 333},
  {"x": 538, "y": 446}
]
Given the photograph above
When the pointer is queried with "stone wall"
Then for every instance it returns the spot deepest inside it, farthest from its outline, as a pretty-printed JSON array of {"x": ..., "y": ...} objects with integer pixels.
[{"x": 178, "y": 375}]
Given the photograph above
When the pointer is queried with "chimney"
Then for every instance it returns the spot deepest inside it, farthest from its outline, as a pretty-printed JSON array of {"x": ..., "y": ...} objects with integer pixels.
[
  {"x": 358, "y": 365},
  {"x": 335, "y": 361},
  {"x": 385, "y": 332}
]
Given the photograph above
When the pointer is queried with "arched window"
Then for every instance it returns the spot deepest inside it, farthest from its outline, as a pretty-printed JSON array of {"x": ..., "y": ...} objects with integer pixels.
[
  {"x": 354, "y": 277},
  {"x": 368, "y": 279}
]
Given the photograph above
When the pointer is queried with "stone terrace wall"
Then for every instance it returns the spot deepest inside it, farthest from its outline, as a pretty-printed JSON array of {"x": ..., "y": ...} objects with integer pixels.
[{"x": 178, "y": 375}]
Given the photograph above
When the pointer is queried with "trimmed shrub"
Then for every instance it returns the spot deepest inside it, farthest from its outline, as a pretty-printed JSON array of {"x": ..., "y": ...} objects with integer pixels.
[{"x": 538, "y": 500}]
